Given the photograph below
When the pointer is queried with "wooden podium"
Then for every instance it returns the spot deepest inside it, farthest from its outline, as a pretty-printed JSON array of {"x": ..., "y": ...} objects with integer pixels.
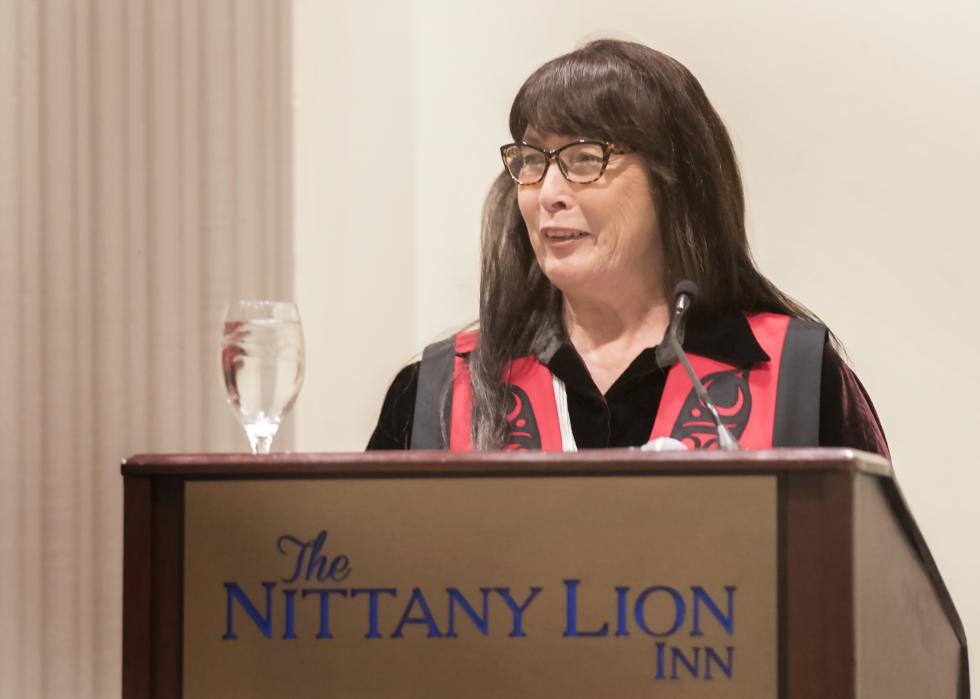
[{"x": 783, "y": 573}]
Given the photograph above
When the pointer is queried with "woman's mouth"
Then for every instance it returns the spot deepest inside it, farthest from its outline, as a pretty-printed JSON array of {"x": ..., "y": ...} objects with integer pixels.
[{"x": 559, "y": 235}]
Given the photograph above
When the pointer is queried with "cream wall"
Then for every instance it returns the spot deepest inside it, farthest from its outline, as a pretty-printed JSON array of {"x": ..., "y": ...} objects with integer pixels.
[{"x": 856, "y": 128}]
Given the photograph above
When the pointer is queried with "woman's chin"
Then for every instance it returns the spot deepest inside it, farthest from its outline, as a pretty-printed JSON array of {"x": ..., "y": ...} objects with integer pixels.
[{"x": 568, "y": 277}]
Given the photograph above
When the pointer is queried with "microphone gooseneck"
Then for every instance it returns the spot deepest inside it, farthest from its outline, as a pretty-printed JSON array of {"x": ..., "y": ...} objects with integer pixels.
[{"x": 684, "y": 294}]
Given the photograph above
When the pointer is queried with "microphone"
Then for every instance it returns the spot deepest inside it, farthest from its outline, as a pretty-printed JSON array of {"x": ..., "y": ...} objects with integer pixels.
[{"x": 684, "y": 294}]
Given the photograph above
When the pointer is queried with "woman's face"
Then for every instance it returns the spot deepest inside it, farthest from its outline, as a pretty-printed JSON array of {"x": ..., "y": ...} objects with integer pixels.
[{"x": 596, "y": 239}]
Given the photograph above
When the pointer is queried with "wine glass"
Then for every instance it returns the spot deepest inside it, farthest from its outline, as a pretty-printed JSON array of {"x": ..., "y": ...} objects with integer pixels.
[{"x": 262, "y": 362}]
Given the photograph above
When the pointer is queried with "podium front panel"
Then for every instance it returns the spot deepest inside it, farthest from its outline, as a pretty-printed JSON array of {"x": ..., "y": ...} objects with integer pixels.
[{"x": 498, "y": 586}]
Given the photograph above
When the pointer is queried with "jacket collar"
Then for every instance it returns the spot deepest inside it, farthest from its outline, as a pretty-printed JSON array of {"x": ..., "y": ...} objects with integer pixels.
[{"x": 725, "y": 337}]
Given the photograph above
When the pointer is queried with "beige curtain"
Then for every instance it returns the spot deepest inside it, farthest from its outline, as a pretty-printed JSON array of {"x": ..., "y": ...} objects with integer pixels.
[{"x": 144, "y": 183}]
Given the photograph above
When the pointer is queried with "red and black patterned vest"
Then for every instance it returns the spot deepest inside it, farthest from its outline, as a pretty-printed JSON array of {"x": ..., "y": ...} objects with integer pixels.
[{"x": 767, "y": 404}]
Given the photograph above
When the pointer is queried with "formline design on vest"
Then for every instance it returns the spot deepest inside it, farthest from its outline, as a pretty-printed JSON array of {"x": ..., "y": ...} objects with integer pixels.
[
  {"x": 730, "y": 392},
  {"x": 749, "y": 398}
]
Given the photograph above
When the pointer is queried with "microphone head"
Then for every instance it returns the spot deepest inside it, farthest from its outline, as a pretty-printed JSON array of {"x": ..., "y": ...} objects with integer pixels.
[{"x": 686, "y": 286}]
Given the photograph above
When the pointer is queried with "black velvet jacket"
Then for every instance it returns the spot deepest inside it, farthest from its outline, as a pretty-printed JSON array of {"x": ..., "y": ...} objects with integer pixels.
[{"x": 624, "y": 416}]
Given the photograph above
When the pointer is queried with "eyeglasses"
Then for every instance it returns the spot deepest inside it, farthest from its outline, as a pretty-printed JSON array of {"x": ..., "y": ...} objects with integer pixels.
[{"x": 581, "y": 162}]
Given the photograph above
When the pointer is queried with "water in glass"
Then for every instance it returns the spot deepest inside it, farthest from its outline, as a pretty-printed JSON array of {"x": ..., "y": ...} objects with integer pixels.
[{"x": 262, "y": 361}]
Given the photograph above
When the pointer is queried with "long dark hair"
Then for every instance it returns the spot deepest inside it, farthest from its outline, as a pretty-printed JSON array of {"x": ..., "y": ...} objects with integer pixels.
[{"x": 633, "y": 96}]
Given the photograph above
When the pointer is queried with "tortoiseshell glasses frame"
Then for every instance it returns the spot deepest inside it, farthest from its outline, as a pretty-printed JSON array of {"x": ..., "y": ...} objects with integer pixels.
[{"x": 582, "y": 162}]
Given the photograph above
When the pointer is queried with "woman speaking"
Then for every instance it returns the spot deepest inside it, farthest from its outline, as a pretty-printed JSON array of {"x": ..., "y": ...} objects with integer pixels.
[{"x": 620, "y": 183}]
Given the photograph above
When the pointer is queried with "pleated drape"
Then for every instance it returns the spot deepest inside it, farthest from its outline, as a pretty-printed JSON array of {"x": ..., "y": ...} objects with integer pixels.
[{"x": 144, "y": 183}]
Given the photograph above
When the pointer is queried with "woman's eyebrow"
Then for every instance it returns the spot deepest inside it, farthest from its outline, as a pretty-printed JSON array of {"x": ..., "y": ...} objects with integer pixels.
[{"x": 536, "y": 138}]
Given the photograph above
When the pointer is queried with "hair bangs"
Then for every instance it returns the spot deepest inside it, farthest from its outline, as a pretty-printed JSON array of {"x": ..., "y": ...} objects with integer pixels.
[{"x": 585, "y": 93}]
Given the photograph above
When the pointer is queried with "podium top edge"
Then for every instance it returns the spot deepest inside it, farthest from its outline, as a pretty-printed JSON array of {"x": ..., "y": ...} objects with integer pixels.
[{"x": 444, "y": 463}]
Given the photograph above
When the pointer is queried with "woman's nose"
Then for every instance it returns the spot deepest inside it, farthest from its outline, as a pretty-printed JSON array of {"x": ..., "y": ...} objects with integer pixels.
[{"x": 556, "y": 194}]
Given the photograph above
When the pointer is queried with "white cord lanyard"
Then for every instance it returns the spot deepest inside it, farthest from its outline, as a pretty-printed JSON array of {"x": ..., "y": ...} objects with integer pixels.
[{"x": 564, "y": 419}]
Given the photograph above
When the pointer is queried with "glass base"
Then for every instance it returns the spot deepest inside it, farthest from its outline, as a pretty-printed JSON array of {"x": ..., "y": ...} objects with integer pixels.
[{"x": 260, "y": 436}]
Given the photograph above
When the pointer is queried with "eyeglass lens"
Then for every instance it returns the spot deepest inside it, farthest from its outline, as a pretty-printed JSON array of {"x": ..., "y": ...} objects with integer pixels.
[{"x": 579, "y": 162}]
